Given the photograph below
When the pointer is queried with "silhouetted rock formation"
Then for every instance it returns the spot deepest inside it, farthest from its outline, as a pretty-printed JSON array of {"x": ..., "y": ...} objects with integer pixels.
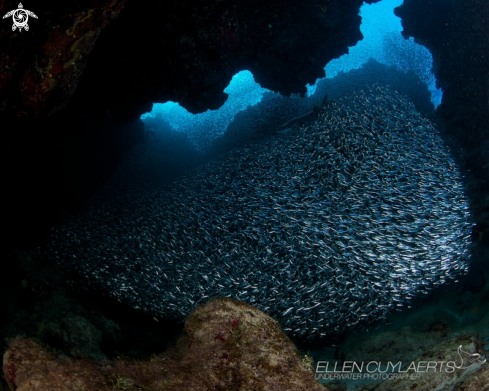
[{"x": 457, "y": 34}]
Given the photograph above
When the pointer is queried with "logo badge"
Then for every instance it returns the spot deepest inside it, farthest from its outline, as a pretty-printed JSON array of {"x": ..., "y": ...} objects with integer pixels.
[
  {"x": 469, "y": 359},
  {"x": 20, "y": 16}
]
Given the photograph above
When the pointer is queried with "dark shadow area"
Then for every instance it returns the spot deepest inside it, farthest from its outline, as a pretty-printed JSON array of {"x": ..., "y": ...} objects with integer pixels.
[{"x": 42, "y": 301}]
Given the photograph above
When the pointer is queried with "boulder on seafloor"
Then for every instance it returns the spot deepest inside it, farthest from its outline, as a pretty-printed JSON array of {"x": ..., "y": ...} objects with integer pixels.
[
  {"x": 452, "y": 366},
  {"x": 226, "y": 345}
]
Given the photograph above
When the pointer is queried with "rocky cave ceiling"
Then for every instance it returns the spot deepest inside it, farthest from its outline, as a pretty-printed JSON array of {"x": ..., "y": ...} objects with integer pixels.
[{"x": 124, "y": 55}]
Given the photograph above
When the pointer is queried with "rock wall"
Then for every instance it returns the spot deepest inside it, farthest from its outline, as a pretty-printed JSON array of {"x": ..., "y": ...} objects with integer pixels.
[{"x": 456, "y": 33}]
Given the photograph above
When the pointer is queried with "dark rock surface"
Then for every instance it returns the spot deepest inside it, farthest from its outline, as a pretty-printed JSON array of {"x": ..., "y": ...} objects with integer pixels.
[
  {"x": 42, "y": 67},
  {"x": 457, "y": 34},
  {"x": 40, "y": 301}
]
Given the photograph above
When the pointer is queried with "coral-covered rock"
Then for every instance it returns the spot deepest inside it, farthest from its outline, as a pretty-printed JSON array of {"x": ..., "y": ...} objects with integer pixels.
[
  {"x": 227, "y": 345},
  {"x": 28, "y": 365},
  {"x": 236, "y": 346}
]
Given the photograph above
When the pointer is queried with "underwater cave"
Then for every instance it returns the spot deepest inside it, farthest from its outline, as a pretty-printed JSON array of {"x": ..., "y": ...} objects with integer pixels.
[{"x": 284, "y": 194}]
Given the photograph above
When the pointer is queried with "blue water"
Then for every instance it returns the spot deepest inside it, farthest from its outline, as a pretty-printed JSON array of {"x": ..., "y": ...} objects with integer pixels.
[
  {"x": 382, "y": 41},
  {"x": 243, "y": 92}
]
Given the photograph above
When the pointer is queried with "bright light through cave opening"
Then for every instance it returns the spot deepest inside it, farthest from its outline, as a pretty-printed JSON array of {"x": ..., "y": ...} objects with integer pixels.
[{"x": 382, "y": 41}]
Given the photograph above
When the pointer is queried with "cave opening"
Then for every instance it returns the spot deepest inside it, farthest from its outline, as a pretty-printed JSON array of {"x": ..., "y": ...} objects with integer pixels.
[{"x": 382, "y": 42}]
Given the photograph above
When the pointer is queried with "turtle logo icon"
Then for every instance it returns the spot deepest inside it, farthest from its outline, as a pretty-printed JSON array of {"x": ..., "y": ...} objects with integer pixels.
[{"x": 20, "y": 16}]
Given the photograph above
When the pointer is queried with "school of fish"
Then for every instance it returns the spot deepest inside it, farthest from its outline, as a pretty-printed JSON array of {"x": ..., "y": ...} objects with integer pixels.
[{"x": 327, "y": 227}]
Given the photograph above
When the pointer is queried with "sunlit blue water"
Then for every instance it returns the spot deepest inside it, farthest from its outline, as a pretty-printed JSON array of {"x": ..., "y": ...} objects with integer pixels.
[
  {"x": 243, "y": 92},
  {"x": 382, "y": 41}
]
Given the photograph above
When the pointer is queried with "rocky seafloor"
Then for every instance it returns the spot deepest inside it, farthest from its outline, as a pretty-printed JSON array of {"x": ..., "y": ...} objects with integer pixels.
[
  {"x": 226, "y": 345},
  {"x": 229, "y": 345}
]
